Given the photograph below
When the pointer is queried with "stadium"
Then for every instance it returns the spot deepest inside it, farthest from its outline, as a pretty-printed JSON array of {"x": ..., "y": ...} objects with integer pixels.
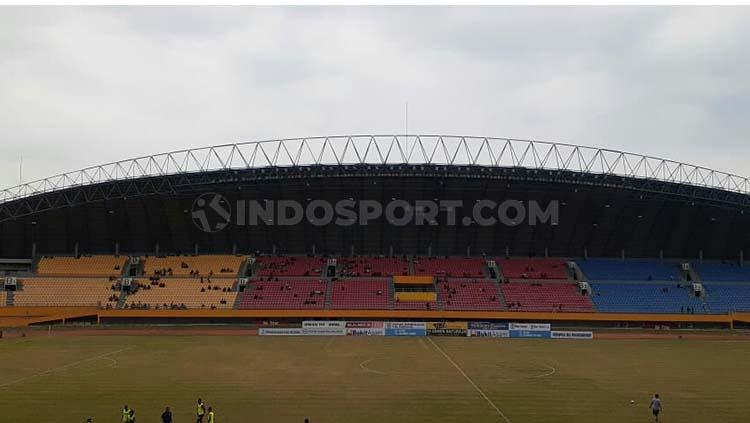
[{"x": 401, "y": 278}]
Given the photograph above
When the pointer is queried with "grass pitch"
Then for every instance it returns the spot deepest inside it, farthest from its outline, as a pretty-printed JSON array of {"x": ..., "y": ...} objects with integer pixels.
[{"x": 372, "y": 380}]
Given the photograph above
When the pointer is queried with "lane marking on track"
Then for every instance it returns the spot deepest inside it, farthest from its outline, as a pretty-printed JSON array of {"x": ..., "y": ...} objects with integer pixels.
[
  {"x": 63, "y": 367},
  {"x": 363, "y": 366},
  {"x": 478, "y": 389}
]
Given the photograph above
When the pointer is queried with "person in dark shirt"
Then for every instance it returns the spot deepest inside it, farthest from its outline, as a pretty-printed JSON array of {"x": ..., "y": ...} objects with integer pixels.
[{"x": 166, "y": 416}]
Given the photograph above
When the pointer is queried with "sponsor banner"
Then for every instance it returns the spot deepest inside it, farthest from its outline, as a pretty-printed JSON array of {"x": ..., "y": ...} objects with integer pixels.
[
  {"x": 514, "y": 333},
  {"x": 365, "y": 332},
  {"x": 405, "y": 325},
  {"x": 405, "y": 332},
  {"x": 323, "y": 324},
  {"x": 489, "y": 333},
  {"x": 530, "y": 326},
  {"x": 447, "y": 325},
  {"x": 488, "y": 325},
  {"x": 280, "y": 331},
  {"x": 446, "y": 328},
  {"x": 323, "y": 331},
  {"x": 374, "y": 325},
  {"x": 572, "y": 334}
]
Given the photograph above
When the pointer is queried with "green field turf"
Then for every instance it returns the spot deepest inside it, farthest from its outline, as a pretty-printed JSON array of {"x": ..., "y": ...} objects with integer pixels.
[{"x": 369, "y": 380}]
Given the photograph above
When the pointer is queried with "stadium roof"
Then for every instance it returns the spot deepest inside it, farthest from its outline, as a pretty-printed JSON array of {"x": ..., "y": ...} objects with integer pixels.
[{"x": 390, "y": 149}]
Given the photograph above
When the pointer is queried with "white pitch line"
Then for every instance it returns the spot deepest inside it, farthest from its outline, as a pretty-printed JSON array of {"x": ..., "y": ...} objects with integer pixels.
[
  {"x": 63, "y": 367},
  {"x": 481, "y": 392},
  {"x": 550, "y": 373},
  {"x": 363, "y": 366}
]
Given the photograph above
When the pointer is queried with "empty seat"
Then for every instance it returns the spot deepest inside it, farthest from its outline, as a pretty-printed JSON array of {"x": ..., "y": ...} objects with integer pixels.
[
  {"x": 629, "y": 270},
  {"x": 469, "y": 294},
  {"x": 544, "y": 268},
  {"x": 639, "y": 297},
  {"x": 722, "y": 272},
  {"x": 181, "y": 266},
  {"x": 290, "y": 266},
  {"x": 286, "y": 293},
  {"x": 193, "y": 293},
  {"x": 356, "y": 294},
  {"x": 40, "y": 292},
  {"x": 726, "y": 297},
  {"x": 82, "y": 266},
  {"x": 372, "y": 266},
  {"x": 458, "y": 267},
  {"x": 538, "y": 296}
]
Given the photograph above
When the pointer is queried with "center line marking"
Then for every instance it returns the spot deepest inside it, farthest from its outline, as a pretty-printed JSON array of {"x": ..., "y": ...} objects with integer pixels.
[{"x": 481, "y": 392}]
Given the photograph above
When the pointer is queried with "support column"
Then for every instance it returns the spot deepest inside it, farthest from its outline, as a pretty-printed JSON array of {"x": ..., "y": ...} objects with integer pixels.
[
  {"x": 156, "y": 249},
  {"x": 700, "y": 256},
  {"x": 661, "y": 255},
  {"x": 33, "y": 250},
  {"x": 742, "y": 258},
  {"x": 313, "y": 249},
  {"x": 75, "y": 249},
  {"x": 507, "y": 252},
  {"x": 546, "y": 252},
  {"x": 622, "y": 254},
  {"x": 234, "y": 249},
  {"x": 117, "y": 249},
  {"x": 195, "y": 249},
  {"x": 585, "y": 253}
]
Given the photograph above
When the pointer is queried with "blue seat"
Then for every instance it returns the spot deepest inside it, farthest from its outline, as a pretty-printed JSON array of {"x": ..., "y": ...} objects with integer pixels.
[{"x": 635, "y": 297}]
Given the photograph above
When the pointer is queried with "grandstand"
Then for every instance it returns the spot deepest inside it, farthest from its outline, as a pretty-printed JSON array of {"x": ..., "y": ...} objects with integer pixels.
[
  {"x": 207, "y": 282},
  {"x": 626, "y": 240}
]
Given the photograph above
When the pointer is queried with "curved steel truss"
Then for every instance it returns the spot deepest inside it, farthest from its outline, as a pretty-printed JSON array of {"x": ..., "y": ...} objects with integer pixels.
[{"x": 390, "y": 149}]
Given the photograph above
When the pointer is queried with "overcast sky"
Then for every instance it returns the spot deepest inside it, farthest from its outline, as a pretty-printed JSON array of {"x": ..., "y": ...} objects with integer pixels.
[{"x": 82, "y": 86}]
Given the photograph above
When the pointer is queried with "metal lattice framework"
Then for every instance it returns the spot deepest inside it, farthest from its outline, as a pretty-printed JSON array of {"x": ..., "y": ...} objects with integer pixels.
[{"x": 390, "y": 149}]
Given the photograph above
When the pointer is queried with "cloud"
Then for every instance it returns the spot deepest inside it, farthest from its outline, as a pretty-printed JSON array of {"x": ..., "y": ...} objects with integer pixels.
[{"x": 84, "y": 86}]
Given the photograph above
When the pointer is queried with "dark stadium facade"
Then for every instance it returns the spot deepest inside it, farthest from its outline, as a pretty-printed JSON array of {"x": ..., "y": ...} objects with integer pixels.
[{"x": 609, "y": 204}]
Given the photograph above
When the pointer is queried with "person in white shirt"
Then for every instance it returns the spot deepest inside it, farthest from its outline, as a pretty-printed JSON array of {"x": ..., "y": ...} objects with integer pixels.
[{"x": 655, "y": 407}]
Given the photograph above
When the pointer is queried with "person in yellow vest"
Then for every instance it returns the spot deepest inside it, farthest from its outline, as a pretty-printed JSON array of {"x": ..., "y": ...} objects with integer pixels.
[
  {"x": 201, "y": 411},
  {"x": 127, "y": 414},
  {"x": 211, "y": 418}
]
